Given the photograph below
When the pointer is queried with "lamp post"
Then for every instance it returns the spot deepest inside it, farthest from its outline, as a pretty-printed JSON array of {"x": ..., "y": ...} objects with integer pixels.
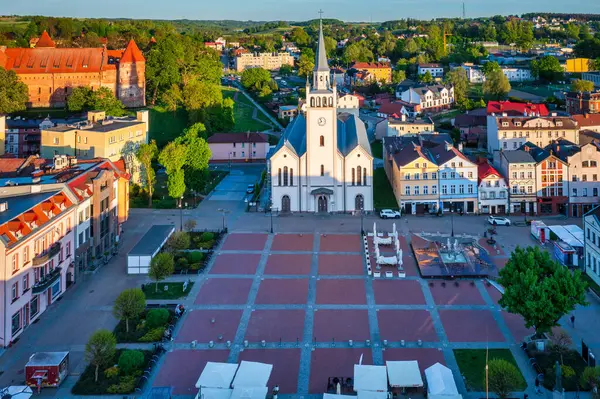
[
  {"x": 181, "y": 213},
  {"x": 452, "y": 223},
  {"x": 223, "y": 213},
  {"x": 362, "y": 229},
  {"x": 272, "y": 209},
  {"x": 229, "y": 156}
]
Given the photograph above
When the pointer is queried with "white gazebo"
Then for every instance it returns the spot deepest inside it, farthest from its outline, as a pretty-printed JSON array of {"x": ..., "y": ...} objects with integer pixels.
[
  {"x": 370, "y": 378},
  {"x": 404, "y": 374},
  {"x": 252, "y": 374},
  {"x": 440, "y": 382}
]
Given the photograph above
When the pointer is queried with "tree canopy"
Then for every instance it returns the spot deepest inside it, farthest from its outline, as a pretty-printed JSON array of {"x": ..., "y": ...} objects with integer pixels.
[
  {"x": 539, "y": 289},
  {"x": 496, "y": 85},
  {"x": 100, "y": 349},
  {"x": 547, "y": 69},
  {"x": 146, "y": 153},
  {"x": 579, "y": 85},
  {"x": 103, "y": 99},
  {"x": 13, "y": 92},
  {"x": 161, "y": 266},
  {"x": 129, "y": 305}
]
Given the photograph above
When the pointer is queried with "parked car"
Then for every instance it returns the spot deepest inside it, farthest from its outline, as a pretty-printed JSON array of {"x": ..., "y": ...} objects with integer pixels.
[
  {"x": 498, "y": 221},
  {"x": 389, "y": 214},
  {"x": 250, "y": 189}
]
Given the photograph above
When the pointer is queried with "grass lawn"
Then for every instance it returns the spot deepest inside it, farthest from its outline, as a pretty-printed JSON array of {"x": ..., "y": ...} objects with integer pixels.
[
  {"x": 472, "y": 366},
  {"x": 384, "y": 197},
  {"x": 166, "y": 126},
  {"x": 377, "y": 149},
  {"x": 540, "y": 90},
  {"x": 175, "y": 290},
  {"x": 243, "y": 110},
  {"x": 476, "y": 90}
]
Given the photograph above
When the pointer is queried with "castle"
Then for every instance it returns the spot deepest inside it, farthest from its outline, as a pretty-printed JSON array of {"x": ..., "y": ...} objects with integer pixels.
[{"x": 51, "y": 73}]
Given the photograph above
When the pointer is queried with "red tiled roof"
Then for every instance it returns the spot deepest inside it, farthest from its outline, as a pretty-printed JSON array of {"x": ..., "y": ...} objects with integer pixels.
[
  {"x": 55, "y": 60},
  {"x": 516, "y": 109},
  {"x": 370, "y": 65},
  {"x": 10, "y": 165},
  {"x": 45, "y": 41},
  {"x": 587, "y": 119},
  {"x": 132, "y": 53},
  {"x": 484, "y": 169}
]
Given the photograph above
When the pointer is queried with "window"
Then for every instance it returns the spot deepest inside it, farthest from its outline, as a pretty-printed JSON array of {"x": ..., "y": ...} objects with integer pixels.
[
  {"x": 452, "y": 189},
  {"x": 322, "y": 141},
  {"x": 433, "y": 176},
  {"x": 522, "y": 175},
  {"x": 583, "y": 177},
  {"x": 425, "y": 176},
  {"x": 55, "y": 140},
  {"x": 33, "y": 306},
  {"x": 514, "y": 175},
  {"x": 461, "y": 174},
  {"x": 322, "y": 170},
  {"x": 285, "y": 175},
  {"x": 574, "y": 192},
  {"x": 425, "y": 190},
  {"x": 25, "y": 282},
  {"x": 407, "y": 190},
  {"x": 461, "y": 189},
  {"x": 585, "y": 192},
  {"x": 68, "y": 249},
  {"x": 470, "y": 188},
  {"x": 25, "y": 255},
  {"x": 15, "y": 262},
  {"x": 407, "y": 176},
  {"x": 434, "y": 190},
  {"x": 444, "y": 175},
  {"x": 444, "y": 189},
  {"x": 593, "y": 164},
  {"x": 16, "y": 322},
  {"x": 279, "y": 177},
  {"x": 291, "y": 177},
  {"x": 364, "y": 176},
  {"x": 595, "y": 192},
  {"x": 594, "y": 177},
  {"x": 585, "y": 164},
  {"x": 453, "y": 175},
  {"x": 529, "y": 189},
  {"x": 470, "y": 175},
  {"x": 416, "y": 190},
  {"x": 417, "y": 175},
  {"x": 417, "y": 165},
  {"x": 353, "y": 176},
  {"x": 358, "y": 175},
  {"x": 15, "y": 291},
  {"x": 574, "y": 178}
]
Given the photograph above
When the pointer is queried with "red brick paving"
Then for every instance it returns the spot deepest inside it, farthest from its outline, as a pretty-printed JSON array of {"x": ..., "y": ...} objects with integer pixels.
[
  {"x": 426, "y": 357},
  {"x": 282, "y": 291},
  {"x": 341, "y": 243},
  {"x": 500, "y": 262},
  {"x": 272, "y": 325},
  {"x": 516, "y": 325},
  {"x": 224, "y": 291},
  {"x": 183, "y": 379},
  {"x": 470, "y": 326},
  {"x": 491, "y": 250},
  {"x": 235, "y": 264},
  {"x": 341, "y": 324},
  {"x": 288, "y": 264},
  {"x": 245, "y": 242},
  {"x": 198, "y": 326},
  {"x": 408, "y": 325},
  {"x": 293, "y": 242},
  {"x": 341, "y": 292},
  {"x": 398, "y": 292},
  {"x": 464, "y": 294},
  {"x": 494, "y": 293},
  {"x": 286, "y": 365},
  {"x": 341, "y": 265},
  {"x": 409, "y": 262},
  {"x": 334, "y": 362}
]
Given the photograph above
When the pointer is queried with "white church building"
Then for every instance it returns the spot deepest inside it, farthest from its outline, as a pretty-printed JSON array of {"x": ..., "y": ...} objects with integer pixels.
[{"x": 323, "y": 161}]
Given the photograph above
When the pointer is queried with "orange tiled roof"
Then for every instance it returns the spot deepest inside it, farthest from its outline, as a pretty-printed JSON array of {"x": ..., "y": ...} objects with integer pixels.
[
  {"x": 45, "y": 41},
  {"x": 55, "y": 60},
  {"x": 132, "y": 53}
]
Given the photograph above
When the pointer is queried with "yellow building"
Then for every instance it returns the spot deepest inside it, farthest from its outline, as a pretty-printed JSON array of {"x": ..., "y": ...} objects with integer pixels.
[
  {"x": 578, "y": 65},
  {"x": 98, "y": 137},
  {"x": 268, "y": 61},
  {"x": 377, "y": 71}
]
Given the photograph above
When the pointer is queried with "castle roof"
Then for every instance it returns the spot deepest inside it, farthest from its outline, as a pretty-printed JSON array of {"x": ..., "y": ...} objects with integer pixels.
[
  {"x": 45, "y": 41},
  {"x": 132, "y": 53}
]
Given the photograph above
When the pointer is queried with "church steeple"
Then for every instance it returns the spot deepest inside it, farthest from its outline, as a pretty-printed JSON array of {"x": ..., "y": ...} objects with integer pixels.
[{"x": 321, "y": 72}]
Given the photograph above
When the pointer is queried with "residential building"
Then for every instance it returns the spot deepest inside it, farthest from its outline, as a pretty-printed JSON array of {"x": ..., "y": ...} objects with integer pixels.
[
  {"x": 509, "y": 133},
  {"x": 590, "y": 122},
  {"x": 349, "y": 103},
  {"x": 493, "y": 190},
  {"x": 397, "y": 109},
  {"x": 287, "y": 111},
  {"x": 514, "y": 74},
  {"x": 51, "y": 73},
  {"x": 36, "y": 255},
  {"x": 552, "y": 178},
  {"x": 433, "y": 98},
  {"x": 591, "y": 228},
  {"x": 583, "y": 103},
  {"x": 593, "y": 77},
  {"x": 436, "y": 70},
  {"x": 376, "y": 71},
  {"x": 238, "y": 147},
  {"x": 473, "y": 127},
  {"x": 516, "y": 109},
  {"x": 405, "y": 126},
  {"x": 474, "y": 73},
  {"x": 518, "y": 166},
  {"x": 269, "y": 61},
  {"x": 323, "y": 161},
  {"x": 457, "y": 179},
  {"x": 99, "y": 137}
]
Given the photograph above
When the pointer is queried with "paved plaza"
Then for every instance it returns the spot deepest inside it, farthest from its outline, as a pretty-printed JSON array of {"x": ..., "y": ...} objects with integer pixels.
[{"x": 298, "y": 300}]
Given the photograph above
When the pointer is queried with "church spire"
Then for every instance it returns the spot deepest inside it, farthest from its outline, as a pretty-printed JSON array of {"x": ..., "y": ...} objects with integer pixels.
[{"x": 321, "y": 64}]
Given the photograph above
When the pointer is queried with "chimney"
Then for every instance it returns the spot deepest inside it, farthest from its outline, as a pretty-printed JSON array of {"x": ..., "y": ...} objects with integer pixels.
[
  {"x": 460, "y": 147},
  {"x": 96, "y": 116},
  {"x": 526, "y": 148},
  {"x": 448, "y": 146}
]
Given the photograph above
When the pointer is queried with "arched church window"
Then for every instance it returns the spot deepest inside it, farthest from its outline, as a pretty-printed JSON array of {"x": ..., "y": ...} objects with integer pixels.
[
  {"x": 358, "y": 175},
  {"x": 324, "y": 101},
  {"x": 331, "y": 101},
  {"x": 353, "y": 176},
  {"x": 279, "y": 177},
  {"x": 285, "y": 175},
  {"x": 312, "y": 102},
  {"x": 322, "y": 141},
  {"x": 318, "y": 101},
  {"x": 291, "y": 176},
  {"x": 322, "y": 170},
  {"x": 364, "y": 176}
]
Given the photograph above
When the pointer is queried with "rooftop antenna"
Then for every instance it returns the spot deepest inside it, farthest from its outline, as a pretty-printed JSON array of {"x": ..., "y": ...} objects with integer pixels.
[{"x": 464, "y": 14}]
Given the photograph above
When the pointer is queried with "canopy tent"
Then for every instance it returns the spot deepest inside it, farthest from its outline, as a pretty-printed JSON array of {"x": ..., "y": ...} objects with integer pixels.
[
  {"x": 18, "y": 391},
  {"x": 440, "y": 381},
  {"x": 404, "y": 374},
  {"x": 252, "y": 374},
  {"x": 214, "y": 393},
  {"x": 335, "y": 396},
  {"x": 571, "y": 234},
  {"x": 371, "y": 395},
  {"x": 370, "y": 378},
  {"x": 249, "y": 393},
  {"x": 217, "y": 375}
]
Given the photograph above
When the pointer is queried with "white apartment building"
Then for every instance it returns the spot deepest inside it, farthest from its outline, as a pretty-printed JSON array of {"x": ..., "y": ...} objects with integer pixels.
[
  {"x": 493, "y": 190},
  {"x": 268, "y": 61},
  {"x": 517, "y": 74},
  {"x": 432, "y": 98},
  {"x": 591, "y": 228},
  {"x": 592, "y": 77},
  {"x": 458, "y": 179},
  {"x": 519, "y": 168},
  {"x": 474, "y": 73},
  {"x": 436, "y": 70}
]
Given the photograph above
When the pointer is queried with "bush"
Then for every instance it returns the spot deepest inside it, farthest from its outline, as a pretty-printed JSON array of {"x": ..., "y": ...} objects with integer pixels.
[
  {"x": 126, "y": 385},
  {"x": 157, "y": 318},
  {"x": 111, "y": 372},
  {"x": 196, "y": 266},
  {"x": 195, "y": 257},
  {"x": 153, "y": 335},
  {"x": 207, "y": 236},
  {"x": 182, "y": 263},
  {"x": 130, "y": 361},
  {"x": 179, "y": 240}
]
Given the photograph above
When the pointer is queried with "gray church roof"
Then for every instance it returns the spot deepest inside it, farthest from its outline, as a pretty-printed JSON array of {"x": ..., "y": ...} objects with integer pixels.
[{"x": 321, "y": 64}]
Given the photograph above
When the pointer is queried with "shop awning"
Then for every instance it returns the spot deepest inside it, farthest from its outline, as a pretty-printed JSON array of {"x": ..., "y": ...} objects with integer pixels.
[
  {"x": 440, "y": 381},
  {"x": 249, "y": 393}
]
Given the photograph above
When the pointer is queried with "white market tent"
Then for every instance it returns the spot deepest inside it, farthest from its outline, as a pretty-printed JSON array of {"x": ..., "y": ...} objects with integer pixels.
[
  {"x": 18, "y": 391},
  {"x": 252, "y": 374},
  {"x": 371, "y": 395},
  {"x": 404, "y": 374},
  {"x": 370, "y": 378},
  {"x": 249, "y": 393},
  {"x": 217, "y": 375},
  {"x": 440, "y": 381},
  {"x": 335, "y": 396},
  {"x": 571, "y": 234},
  {"x": 214, "y": 393}
]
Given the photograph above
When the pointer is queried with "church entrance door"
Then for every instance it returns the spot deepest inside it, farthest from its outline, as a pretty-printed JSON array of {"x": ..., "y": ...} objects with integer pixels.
[
  {"x": 285, "y": 204},
  {"x": 322, "y": 203}
]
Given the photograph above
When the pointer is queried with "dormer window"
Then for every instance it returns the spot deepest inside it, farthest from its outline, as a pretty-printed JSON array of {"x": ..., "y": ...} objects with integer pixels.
[
  {"x": 518, "y": 124},
  {"x": 504, "y": 124},
  {"x": 559, "y": 123}
]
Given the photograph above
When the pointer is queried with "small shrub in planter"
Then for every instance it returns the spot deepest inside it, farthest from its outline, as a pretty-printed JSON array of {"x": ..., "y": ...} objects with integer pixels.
[
  {"x": 130, "y": 361},
  {"x": 195, "y": 257},
  {"x": 207, "y": 236},
  {"x": 157, "y": 318},
  {"x": 126, "y": 385},
  {"x": 153, "y": 335},
  {"x": 182, "y": 263},
  {"x": 111, "y": 372},
  {"x": 196, "y": 266}
]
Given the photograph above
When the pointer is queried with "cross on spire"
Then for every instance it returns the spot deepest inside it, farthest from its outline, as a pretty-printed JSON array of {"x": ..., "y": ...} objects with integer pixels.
[{"x": 321, "y": 14}]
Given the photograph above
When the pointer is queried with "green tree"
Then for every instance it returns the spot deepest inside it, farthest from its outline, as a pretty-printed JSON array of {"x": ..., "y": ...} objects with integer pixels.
[
  {"x": 78, "y": 100},
  {"x": 580, "y": 85},
  {"x": 100, "y": 350},
  {"x": 330, "y": 46},
  {"x": 503, "y": 377},
  {"x": 130, "y": 361},
  {"x": 172, "y": 97},
  {"x": 547, "y": 69},
  {"x": 13, "y": 92},
  {"x": 398, "y": 76},
  {"x": 198, "y": 95},
  {"x": 129, "y": 305},
  {"x": 489, "y": 67},
  {"x": 179, "y": 241},
  {"x": 255, "y": 78},
  {"x": 286, "y": 70},
  {"x": 300, "y": 37},
  {"x": 357, "y": 52},
  {"x": 176, "y": 184},
  {"x": 560, "y": 343},
  {"x": 305, "y": 65},
  {"x": 146, "y": 153},
  {"x": 539, "y": 289},
  {"x": 458, "y": 78},
  {"x": 162, "y": 66},
  {"x": 161, "y": 266},
  {"x": 496, "y": 85},
  {"x": 173, "y": 156},
  {"x": 590, "y": 378},
  {"x": 104, "y": 99},
  {"x": 426, "y": 78}
]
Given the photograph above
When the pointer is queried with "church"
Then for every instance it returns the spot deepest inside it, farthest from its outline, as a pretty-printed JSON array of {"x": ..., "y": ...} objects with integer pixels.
[{"x": 323, "y": 161}]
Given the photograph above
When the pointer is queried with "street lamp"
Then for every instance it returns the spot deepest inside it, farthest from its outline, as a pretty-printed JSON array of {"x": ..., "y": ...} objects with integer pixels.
[
  {"x": 229, "y": 155},
  {"x": 272, "y": 209},
  {"x": 362, "y": 229},
  {"x": 181, "y": 213},
  {"x": 223, "y": 213},
  {"x": 452, "y": 223}
]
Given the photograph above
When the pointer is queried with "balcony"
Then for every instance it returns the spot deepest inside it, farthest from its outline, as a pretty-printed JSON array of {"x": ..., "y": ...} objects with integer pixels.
[
  {"x": 46, "y": 282},
  {"x": 47, "y": 254}
]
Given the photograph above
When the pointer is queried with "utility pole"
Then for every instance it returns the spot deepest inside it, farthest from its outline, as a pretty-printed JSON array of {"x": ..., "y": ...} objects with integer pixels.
[{"x": 464, "y": 14}]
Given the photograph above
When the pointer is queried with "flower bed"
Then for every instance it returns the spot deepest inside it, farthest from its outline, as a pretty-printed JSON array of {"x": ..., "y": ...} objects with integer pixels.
[
  {"x": 114, "y": 379},
  {"x": 190, "y": 261},
  {"x": 150, "y": 327},
  {"x": 571, "y": 369},
  {"x": 206, "y": 240},
  {"x": 175, "y": 290}
]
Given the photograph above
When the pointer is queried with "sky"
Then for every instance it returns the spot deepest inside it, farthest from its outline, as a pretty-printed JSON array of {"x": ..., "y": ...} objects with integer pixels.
[{"x": 289, "y": 10}]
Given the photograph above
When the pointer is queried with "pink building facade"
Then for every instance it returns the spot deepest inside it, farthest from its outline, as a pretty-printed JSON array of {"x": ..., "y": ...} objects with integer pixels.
[
  {"x": 36, "y": 257},
  {"x": 238, "y": 147}
]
